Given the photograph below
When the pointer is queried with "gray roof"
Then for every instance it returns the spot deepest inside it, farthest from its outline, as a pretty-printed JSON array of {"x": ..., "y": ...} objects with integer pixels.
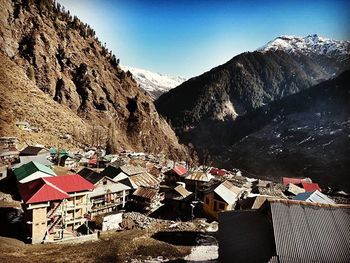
[
  {"x": 228, "y": 192},
  {"x": 34, "y": 158},
  {"x": 314, "y": 197},
  {"x": 306, "y": 232}
]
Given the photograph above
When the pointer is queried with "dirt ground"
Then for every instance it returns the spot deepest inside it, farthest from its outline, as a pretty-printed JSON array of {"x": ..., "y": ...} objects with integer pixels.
[{"x": 112, "y": 247}]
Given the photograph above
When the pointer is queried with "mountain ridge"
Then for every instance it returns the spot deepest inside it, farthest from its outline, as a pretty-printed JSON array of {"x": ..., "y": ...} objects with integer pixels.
[
  {"x": 57, "y": 56},
  {"x": 154, "y": 83}
]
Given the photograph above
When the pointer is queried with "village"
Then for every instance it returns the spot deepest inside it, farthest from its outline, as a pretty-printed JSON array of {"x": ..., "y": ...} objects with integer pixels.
[{"x": 62, "y": 196}]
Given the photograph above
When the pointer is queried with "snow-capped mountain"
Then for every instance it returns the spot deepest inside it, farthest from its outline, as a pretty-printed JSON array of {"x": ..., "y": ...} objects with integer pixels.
[
  {"x": 311, "y": 44},
  {"x": 154, "y": 83}
]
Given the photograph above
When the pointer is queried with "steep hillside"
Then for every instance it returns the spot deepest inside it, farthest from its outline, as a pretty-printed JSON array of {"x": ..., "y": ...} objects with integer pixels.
[
  {"x": 154, "y": 83},
  {"x": 56, "y": 74},
  {"x": 245, "y": 83},
  {"x": 306, "y": 134}
]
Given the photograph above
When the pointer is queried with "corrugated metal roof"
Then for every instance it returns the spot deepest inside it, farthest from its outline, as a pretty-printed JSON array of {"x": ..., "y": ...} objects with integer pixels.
[
  {"x": 288, "y": 180},
  {"x": 180, "y": 170},
  {"x": 35, "y": 158},
  {"x": 132, "y": 169},
  {"x": 144, "y": 179},
  {"x": 294, "y": 189},
  {"x": 39, "y": 191},
  {"x": 310, "y": 187},
  {"x": 311, "y": 233},
  {"x": 30, "y": 168},
  {"x": 146, "y": 193},
  {"x": 71, "y": 183},
  {"x": 90, "y": 175},
  {"x": 182, "y": 191},
  {"x": 199, "y": 176},
  {"x": 228, "y": 192},
  {"x": 314, "y": 197}
]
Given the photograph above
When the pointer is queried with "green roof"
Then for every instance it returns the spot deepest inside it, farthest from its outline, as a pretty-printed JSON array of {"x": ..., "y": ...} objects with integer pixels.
[
  {"x": 27, "y": 169},
  {"x": 54, "y": 151}
]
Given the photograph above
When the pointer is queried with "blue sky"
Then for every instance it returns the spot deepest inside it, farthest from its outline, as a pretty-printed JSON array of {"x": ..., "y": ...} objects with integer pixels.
[{"x": 190, "y": 37}]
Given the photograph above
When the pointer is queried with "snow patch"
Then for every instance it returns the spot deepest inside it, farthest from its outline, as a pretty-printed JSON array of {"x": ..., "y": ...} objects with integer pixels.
[
  {"x": 154, "y": 83},
  {"x": 311, "y": 44}
]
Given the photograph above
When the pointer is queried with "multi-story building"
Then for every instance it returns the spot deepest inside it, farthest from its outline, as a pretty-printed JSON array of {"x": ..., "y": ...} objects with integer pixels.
[{"x": 55, "y": 207}]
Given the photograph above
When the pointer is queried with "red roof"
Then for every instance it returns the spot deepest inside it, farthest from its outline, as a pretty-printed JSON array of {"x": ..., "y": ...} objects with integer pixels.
[
  {"x": 40, "y": 190},
  {"x": 310, "y": 187},
  {"x": 70, "y": 183},
  {"x": 180, "y": 170},
  {"x": 216, "y": 171},
  {"x": 92, "y": 161},
  {"x": 288, "y": 180}
]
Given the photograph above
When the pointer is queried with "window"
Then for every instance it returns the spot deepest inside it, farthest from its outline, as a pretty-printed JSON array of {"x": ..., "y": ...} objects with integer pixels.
[
  {"x": 221, "y": 206},
  {"x": 207, "y": 200}
]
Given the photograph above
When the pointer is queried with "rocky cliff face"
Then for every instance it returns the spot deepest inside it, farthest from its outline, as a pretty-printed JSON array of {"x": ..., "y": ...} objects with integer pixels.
[{"x": 58, "y": 62}]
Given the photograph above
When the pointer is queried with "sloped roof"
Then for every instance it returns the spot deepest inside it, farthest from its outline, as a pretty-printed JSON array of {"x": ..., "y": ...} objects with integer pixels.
[
  {"x": 30, "y": 168},
  {"x": 111, "y": 171},
  {"x": 90, "y": 175},
  {"x": 305, "y": 232},
  {"x": 310, "y": 187},
  {"x": 146, "y": 193},
  {"x": 180, "y": 170},
  {"x": 131, "y": 169},
  {"x": 294, "y": 189},
  {"x": 39, "y": 191},
  {"x": 35, "y": 158},
  {"x": 228, "y": 192},
  {"x": 288, "y": 180},
  {"x": 182, "y": 191},
  {"x": 314, "y": 197},
  {"x": 216, "y": 171},
  {"x": 71, "y": 183},
  {"x": 144, "y": 179},
  {"x": 199, "y": 176},
  {"x": 32, "y": 150}
]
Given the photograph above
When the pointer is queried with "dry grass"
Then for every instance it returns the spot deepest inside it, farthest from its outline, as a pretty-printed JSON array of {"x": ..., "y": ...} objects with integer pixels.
[{"x": 112, "y": 247}]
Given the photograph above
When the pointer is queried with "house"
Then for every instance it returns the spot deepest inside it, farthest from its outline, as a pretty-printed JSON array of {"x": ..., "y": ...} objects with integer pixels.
[
  {"x": 68, "y": 161},
  {"x": 222, "y": 198},
  {"x": 8, "y": 149},
  {"x": 23, "y": 125},
  {"x": 57, "y": 153},
  {"x": 310, "y": 187},
  {"x": 285, "y": 231},
  {"x": 34, "y": 150},
  {"x": 218, "y": 172},
  {"x": 314, "y": 197},
  {"x": 196, "y": 180},
  {"x": 294, "y": 189},
  {"x": 35, "y": 158},
  {"x": 175, "y": 174},
  {"x": 108, "y": 195},
  {"x": 55, "y": 207},
  {"x": 91, "y": 175},
  {"x": 121, "y": 172},
  {"x": 143, "y": 180},
  {"x": 147, "y": 199},
  {"x": 31, "y": 171},
  {"x": 179, "y": 198},
  {"x": 296, "y": 181}
]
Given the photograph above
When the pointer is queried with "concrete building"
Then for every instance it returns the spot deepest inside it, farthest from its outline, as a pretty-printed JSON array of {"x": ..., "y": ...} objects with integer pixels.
[{"x": 55, "y": 207}]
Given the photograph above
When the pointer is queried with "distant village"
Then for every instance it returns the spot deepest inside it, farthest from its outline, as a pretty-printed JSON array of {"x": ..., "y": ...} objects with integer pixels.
[{"x": 68, "y": 195}]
